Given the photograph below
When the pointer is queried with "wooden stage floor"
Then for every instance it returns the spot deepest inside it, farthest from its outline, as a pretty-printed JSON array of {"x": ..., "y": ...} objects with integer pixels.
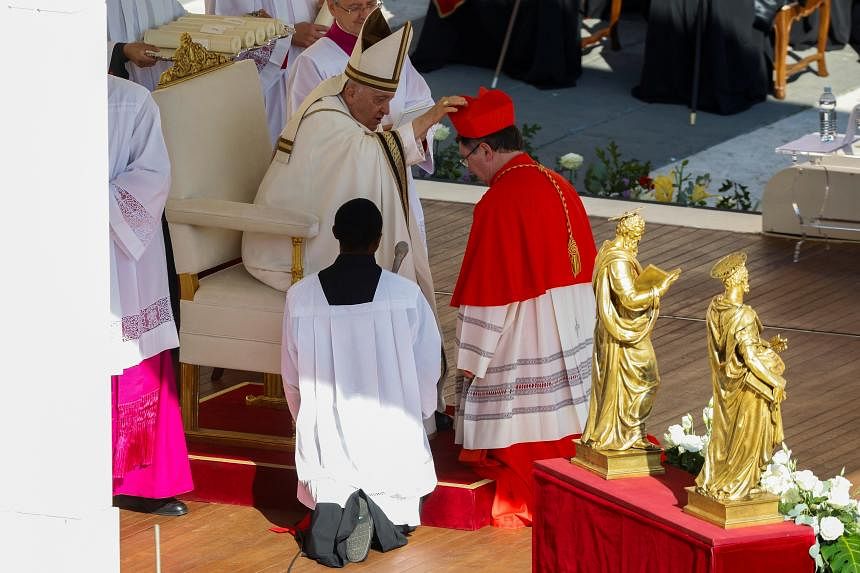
[{"x": 815, "y": 303}]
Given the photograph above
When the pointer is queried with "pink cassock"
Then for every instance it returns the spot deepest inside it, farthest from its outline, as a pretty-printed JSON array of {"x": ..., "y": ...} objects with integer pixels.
[{"x": 150, "y": 456}]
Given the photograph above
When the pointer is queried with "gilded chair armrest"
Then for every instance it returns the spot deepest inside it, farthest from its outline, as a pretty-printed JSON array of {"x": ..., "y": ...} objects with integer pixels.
[{"x": 223, "y": 214}]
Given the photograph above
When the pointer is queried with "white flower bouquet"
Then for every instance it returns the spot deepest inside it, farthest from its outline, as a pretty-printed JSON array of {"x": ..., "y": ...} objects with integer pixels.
[
  {"x": 826, "y": 506},
  {"x": 686, "y": 449}
]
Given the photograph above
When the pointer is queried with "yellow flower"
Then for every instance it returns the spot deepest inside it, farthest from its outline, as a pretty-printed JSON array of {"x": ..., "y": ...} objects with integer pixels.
[
  {"x": 664, "y": 188},
  {"x": 700, "y": 192}
]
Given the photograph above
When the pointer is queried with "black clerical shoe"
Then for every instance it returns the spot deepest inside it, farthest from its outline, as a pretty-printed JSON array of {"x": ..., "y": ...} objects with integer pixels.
[
  {"x": 170, "y": 506},
  {"x": 358, "y": 542},
  {"x": 444, "y": 422}
]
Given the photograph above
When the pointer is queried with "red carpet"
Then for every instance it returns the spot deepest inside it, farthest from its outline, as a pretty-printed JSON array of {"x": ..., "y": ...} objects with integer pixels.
[
  {"x": 267, "y": 479},
  {"x": 227, "y": 411},
  {"x": 462, "y": 499}
]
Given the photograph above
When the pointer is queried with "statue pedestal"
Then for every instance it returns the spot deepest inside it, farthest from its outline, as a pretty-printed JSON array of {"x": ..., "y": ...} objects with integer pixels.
[
  {"x": 761, "y": 509},
  {"x": 582, "y": 522},
  {"x": 614, "y": 464}
]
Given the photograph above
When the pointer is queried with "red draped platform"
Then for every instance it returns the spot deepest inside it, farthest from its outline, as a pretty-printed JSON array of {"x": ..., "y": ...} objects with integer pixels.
[{"x": 583, "y": 523}]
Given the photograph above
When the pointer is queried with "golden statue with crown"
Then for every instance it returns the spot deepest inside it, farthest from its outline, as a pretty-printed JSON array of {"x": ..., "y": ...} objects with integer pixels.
[
  {"x": 748, "y": 386},
  {"x": 624, "y": 377}
]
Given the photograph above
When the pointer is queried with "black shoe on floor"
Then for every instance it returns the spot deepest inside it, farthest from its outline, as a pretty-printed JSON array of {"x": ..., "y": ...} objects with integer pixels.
[
  {"x": 444, "y": 422},
  {"x": 358, "y": 542},
  {"x": 170, "y": 506}
]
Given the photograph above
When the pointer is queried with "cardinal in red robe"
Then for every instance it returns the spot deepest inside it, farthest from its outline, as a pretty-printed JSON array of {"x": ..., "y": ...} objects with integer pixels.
[{"x": 526, "y": 310}]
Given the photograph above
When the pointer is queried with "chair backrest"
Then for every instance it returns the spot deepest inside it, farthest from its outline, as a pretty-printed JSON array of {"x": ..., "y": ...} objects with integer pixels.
[{"x": 216, "y": 134}]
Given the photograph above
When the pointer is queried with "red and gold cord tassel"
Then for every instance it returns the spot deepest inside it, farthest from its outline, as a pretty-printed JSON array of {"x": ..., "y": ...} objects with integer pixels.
[{"x": 573, "y": 251}]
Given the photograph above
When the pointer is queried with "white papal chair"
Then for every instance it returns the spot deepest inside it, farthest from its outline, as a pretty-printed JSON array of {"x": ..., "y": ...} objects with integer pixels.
[{"x": 214, "y": 125}]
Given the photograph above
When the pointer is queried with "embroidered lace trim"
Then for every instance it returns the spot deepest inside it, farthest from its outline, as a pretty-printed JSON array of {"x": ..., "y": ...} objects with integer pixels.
[
  {"x": 138, "y": 218},
  {"x": 149, "y": 318}
]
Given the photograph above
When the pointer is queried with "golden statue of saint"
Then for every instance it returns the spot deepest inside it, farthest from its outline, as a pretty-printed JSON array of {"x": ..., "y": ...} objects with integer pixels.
[
  {"x": 624, "y": 375},
  {"x": 746, "y": 372}
]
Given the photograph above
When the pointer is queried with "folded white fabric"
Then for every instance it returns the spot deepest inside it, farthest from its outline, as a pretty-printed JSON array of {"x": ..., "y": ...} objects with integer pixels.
[
  {"x": 270, "y": 25},
  {"x": 163, "y": 38},
  {"x": 247, "y": 36}
]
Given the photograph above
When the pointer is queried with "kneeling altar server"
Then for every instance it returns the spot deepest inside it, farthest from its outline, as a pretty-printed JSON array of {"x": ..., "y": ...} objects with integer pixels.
[{"x": 360, "y": 360}]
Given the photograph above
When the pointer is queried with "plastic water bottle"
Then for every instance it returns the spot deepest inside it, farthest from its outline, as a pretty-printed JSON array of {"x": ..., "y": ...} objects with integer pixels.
[{"x": 827, "y": 116}]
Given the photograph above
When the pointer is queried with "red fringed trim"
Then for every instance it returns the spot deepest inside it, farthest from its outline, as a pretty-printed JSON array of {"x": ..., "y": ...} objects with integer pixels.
[{"x": 135, "y": 436}]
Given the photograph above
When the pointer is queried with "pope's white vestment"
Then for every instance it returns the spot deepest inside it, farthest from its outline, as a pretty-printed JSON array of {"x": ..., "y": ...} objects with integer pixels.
[
  {"x": 273, "y": 76},
  {"x": 335, "y": 159},
  {"x": 359, "y": 379},
  {"x": 325, "y": 59},
  {"x": 127, "y": 20},
  {"x": 139, "y": 184}
]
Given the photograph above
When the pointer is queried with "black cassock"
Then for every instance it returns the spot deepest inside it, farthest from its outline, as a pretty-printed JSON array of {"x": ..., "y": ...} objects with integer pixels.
[
  {"x": 734, "y": 72},
  {"x": 544, "y": 50},
  {"x": 351, "y": 279},
  {"x": 325, "y": 540}
]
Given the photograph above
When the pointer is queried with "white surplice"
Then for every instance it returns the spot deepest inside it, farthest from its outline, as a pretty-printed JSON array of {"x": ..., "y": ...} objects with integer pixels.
[
  {"x": 273, "y": 76},
  {"x": 127, "y": 20},
  {"x": 325, "y": 59},
  {"x": 532, "y": 365},
  {"x": 335, "y": 159},
  {"x": 142, "y": 321},
  {"x": 358, "y": 380}
]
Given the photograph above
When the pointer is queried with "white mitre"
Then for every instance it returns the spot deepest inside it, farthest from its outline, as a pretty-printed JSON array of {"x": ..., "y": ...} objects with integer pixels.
[
  {"x": 376, "y": 61},
  {"x": 378, "y": 56}
]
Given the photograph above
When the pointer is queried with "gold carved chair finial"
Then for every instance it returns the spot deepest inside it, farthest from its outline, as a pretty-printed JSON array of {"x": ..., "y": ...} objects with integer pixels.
[{"x": 191, "y": 59}]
